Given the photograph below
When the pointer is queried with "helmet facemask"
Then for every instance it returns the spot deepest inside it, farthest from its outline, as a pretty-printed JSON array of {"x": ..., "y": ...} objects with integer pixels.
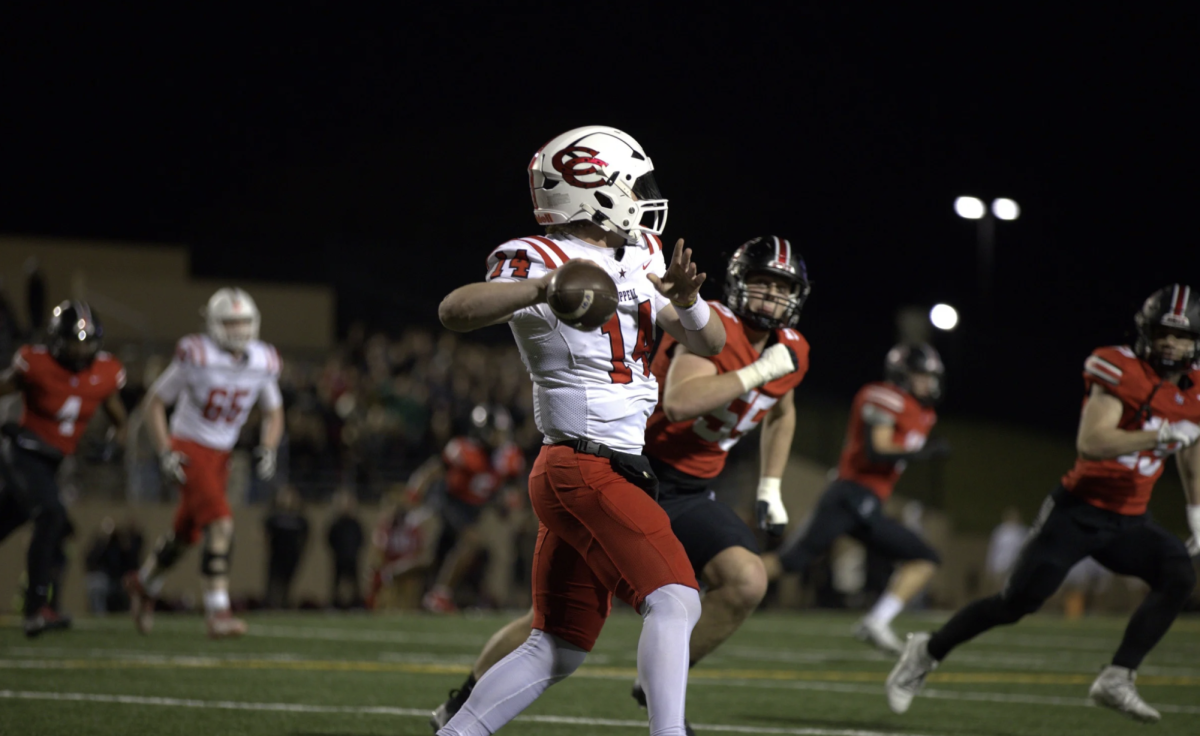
[
  {"x": 739, "y": 294},
  {"x": 233, "y": 319}
]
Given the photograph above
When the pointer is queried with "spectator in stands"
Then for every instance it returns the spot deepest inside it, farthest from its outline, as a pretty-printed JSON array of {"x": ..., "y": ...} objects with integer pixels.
[
  {"x": 287, "y": 536},
  {"x": 346, "y": 543},
  {"x": 1004, "y": 546}
]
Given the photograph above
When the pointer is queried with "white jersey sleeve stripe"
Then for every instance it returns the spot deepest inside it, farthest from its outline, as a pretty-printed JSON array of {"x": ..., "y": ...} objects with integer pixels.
[
  {"x": 546, "y": 258},
  {"x": 1103, "y": 370},
  {"x": 885, "y": 398}
]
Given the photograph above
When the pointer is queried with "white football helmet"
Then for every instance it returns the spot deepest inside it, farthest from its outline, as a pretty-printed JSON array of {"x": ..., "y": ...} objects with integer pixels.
[
  {"x": 232, "y": 318},
  {"x": 597, "y": 174}
]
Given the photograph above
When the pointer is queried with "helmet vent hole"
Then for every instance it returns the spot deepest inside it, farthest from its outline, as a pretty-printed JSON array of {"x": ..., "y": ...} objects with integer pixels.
[
  {"x": 550, "y": 184},
  {"x": 604, "y": 200}
]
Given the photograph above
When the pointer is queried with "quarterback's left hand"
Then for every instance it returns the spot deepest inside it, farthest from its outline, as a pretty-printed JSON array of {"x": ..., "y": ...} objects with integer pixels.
[
  {"x": 681, "y": 283},
  {"x": 265, "y": 466},
  {"x": 1193, "y": 516},
  {"x": 772, "y": 516}
]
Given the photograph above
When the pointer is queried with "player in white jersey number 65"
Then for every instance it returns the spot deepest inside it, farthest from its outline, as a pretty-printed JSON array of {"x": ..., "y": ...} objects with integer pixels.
[
  {"x": 600, "y": 529},
  {"x": 214, "y": 381}
]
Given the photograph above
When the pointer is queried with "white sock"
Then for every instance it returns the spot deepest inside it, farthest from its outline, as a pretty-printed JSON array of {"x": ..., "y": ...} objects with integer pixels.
[
  {"x": 216, "y": 601},
  {"x": 668, "y": 617},
  {"x": 513, "y": 683},
  {"x": 886, "y": 608}
]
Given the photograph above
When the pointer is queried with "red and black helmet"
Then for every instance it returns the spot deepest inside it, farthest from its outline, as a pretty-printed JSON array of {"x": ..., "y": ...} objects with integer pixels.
[
  {"x": 73, "y": 335},
  {"x": 904, "y": 360},
  {"x": 770, "y": 255},
  {"x": 1175, "y": 307}
]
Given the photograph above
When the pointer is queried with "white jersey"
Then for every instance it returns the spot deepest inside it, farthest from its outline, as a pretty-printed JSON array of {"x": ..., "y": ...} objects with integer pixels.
[
  {"x": 213, "y": 392},
  {"x": 593, "y": 384}
]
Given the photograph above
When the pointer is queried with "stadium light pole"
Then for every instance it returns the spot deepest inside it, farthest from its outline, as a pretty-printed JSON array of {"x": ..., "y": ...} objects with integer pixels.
[{"x": 974, "y": 208}]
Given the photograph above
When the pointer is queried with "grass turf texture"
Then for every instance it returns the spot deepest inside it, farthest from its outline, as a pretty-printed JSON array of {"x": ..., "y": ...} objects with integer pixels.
[{"x": 354, "y": 675}]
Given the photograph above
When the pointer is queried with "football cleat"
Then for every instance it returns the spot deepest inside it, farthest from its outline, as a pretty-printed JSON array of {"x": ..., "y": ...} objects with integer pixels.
[
  {"x": 1114, "y": 688},
  {"x": 908, "y": 676},
  {"x": 439, "y": 600},
  {"x": 440, "y": 717},
  {"x": 878, "y": 635},
  {"x": 141, "y": 603},
  {"x": 224, "y": 625},
  {"x": 46, "y": 619},
  {"x": 640, "y": 696}
]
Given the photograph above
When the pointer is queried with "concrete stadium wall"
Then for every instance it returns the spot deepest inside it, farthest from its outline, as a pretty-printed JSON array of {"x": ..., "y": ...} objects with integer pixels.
[{"x": 145, "y": 292}]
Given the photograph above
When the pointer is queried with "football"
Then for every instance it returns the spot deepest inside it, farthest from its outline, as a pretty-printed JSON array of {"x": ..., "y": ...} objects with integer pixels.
[{"x": 582, "y": 295}]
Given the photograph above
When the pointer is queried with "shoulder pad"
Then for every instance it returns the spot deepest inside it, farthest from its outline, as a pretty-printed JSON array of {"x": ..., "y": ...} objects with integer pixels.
[
  {"x": 525, "y": 257},
  {"x": 883, "y": 396},
  {"x": 1110, "y": 364}
]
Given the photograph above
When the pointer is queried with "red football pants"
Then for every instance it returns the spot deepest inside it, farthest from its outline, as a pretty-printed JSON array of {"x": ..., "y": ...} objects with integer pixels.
[
  {"x": 202, "y": 497},
  {"x": 598, "y": 534}
]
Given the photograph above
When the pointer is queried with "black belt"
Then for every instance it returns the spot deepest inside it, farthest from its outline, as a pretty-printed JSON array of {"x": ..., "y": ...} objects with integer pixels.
[
  {"x": 634, "y": 468},
  {"x": 587, "y": 447}
]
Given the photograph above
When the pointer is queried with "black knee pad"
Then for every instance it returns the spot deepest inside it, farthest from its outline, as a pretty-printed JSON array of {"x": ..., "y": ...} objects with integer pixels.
[
  {"x": 929, "y": 554},
  {"x": 212, "y": 563},
  {"x": 167, "y": 551},
  {"x": 1015, "y": 606},
  {"x": 1179, "y": 577}
]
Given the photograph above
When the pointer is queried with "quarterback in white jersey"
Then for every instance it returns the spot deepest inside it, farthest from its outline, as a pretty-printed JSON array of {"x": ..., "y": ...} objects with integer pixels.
[
  {"x": 594, "y": 384},
  {"x": 213, "y": 382},
  {"x": 600, "y": 530}
]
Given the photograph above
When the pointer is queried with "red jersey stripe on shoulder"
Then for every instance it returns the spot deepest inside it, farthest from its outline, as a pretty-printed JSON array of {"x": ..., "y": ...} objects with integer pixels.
[
  {"x": 541, "y": 252},
  {"x": 552, "y": 246},
  {"x": 655, "y": 243}
]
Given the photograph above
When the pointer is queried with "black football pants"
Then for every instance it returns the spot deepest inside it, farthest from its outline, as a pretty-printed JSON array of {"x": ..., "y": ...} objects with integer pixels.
[
  {"x": 30, "y": 492},
  {"x": 1067, "y": 530}
]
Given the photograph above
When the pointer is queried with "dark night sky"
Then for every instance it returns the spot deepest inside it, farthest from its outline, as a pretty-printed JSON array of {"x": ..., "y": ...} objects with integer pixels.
[{"x": 385, "y": 154}]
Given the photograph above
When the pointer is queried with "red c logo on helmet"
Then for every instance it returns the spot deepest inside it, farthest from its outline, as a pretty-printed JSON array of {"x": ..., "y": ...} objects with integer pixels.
[{"x": 574, "y": 162}]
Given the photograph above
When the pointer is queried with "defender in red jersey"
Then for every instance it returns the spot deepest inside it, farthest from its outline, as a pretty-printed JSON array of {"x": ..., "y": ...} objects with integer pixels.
[
  {"x": 1142, "y": 404},
  {"x": 889, "y": 425},
  {"x": 706, "y": 404},
  {"x": 62, "y": 384},
  {"x": 465, "y": 479}
]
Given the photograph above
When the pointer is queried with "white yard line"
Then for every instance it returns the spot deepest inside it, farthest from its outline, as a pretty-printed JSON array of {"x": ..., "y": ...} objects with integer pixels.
[
  {"x": 409, "y": 712},
  {"x": 877, "y": 690}
]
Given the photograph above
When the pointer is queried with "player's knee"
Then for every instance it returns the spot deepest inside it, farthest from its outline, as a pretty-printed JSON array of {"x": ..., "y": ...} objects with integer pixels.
[
  {"x": 167, "y": 551},
  {"x": 1016, "y": 606},
  {"x": 930, "y": 555},
  {"x": 745, "y": 577},
  {"x": 673, "y": 605},
  {"x": 1179, "y": 578},
  {"x": 567, "y": 656},
  {"x": 218, "y": 548},
  {"x": 218, "y": 536}
]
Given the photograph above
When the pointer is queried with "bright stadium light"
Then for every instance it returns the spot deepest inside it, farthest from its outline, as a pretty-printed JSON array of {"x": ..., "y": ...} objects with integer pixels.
[
  {"x": 944, "y": 317},
  {"x": 1005, "y": 209},
  {"x": 969, "y": 208}
]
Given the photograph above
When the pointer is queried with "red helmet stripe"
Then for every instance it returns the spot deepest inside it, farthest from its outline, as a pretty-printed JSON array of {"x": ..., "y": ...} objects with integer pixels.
[{"x": 1181, "y": 299}]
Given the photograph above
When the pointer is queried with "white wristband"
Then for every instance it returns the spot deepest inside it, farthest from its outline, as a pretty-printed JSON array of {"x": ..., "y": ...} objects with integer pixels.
[{"x": 695, "y": 317}]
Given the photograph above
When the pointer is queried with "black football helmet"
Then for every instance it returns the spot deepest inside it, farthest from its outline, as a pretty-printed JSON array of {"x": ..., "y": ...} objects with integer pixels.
[
  {"x": 904, "y": 360},
  {"x": 490, "y": 424},
  {"x": 771, "y": 255},
  {"x": 1176, "y": 306},
  {"x": 73, "y": 335}
]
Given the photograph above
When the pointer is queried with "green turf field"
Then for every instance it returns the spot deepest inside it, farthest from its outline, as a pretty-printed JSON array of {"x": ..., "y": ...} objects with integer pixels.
[{"x": 357, "y": 674}]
